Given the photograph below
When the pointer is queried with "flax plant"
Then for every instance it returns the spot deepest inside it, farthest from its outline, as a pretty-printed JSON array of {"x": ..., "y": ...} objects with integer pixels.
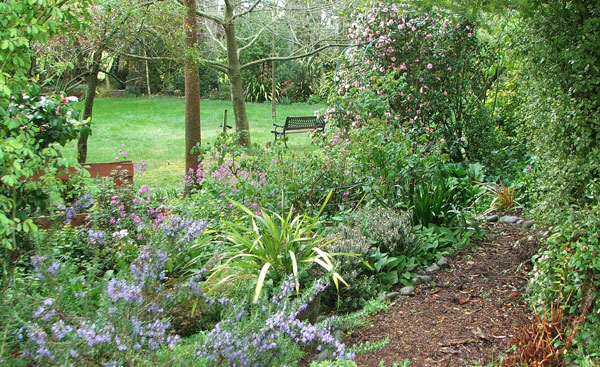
[{"x": 273, "y": 246}]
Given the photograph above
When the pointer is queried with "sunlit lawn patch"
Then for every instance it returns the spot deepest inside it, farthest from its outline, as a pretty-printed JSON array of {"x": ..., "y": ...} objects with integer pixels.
[{"x": 154, "y": 131}]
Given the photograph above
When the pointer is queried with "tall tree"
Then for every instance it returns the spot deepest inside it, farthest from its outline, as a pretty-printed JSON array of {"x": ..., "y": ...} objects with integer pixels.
[
  {"x": 109, "y": 18},
  {"x": 192, "y": 87},
  {"x": 230, "y": 15}
]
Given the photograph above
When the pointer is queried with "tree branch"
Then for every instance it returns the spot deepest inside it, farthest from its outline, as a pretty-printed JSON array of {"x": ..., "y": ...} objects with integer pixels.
[
  {"x": 293, "y": 57},
  {"x": 252, "y": 40},
  {"x": 210, "y": 33},
  {"x": 247, "y": 11},
  {"x": 205, "y": 15},
  {"x": 215, "y": 65},
  {"x": 149, "y": 58}
]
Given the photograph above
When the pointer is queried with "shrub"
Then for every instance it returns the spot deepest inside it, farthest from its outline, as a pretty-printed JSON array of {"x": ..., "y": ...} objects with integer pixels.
[
  {"x": 33, "y": 128},
  {"x": 269, "y": 333},
  {"x": 422, "y": 71},
  {"x": 567, "y": 271},
  {"x": 362, "y": 283},
  {"x": 386, "y": 229},
  {"x": 561, "y": 102},
  {"x": 386, "y": 247}
]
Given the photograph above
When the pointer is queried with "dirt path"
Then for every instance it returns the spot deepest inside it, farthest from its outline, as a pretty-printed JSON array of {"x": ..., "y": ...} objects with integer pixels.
[{"x": 467, "y": 315}]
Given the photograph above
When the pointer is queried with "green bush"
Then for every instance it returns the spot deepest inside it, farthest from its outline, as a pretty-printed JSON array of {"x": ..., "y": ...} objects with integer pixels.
[
  {"x": 33, "y": 129},
  {"x": 561, "y": 104},
  {"x": 567, "y": 271},
  {"x": 386, "y": 229},
  {"x": 388, "y": 252}
]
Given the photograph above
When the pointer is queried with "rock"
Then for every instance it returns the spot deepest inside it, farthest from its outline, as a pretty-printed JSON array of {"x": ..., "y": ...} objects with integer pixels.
[
  {"x": 407, "y": 291},
  {"x": 508, "y": 219},
  {"x": 520, "y": 222},
  {"x": 432, "y": 268},
  {"x": 417, "y": 280},
  {"x": 443, "y": 263},
  {"x": 527, "y": 224},
  {"x": 339, "y": 335},
  {"x": 492, "y": 218},
  {"x": 325, "y": 355},
  {"x": 391, "y": 296},
  {"x": 425, "y": 278}
]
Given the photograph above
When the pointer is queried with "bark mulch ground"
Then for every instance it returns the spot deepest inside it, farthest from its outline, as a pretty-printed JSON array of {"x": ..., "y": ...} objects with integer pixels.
[{"x": 467, "y": 315}]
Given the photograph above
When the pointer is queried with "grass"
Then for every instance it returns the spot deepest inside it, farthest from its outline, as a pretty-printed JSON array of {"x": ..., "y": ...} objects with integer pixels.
[{"x": 154, "y": 131}]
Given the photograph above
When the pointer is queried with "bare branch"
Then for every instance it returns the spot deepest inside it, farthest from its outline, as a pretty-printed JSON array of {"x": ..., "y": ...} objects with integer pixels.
[
  {"x": 149, "y": 58},
  {"x": 216, "y": 65},
  {"x": 293, "y": 57},
  {"x": 247, "y": 11},
  {"x": 252, "y": 40},
  {"x": 214, "y": 38}
]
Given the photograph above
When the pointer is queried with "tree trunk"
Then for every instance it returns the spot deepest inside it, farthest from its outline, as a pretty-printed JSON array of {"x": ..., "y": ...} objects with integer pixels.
[
  {"x": 274, "y": 83},
  {"x": 147, "y": 76},
  {"x": 273, "y": 91},
  {"x": 235, "y": 79},
  {"x": 92, "y": 82},
  {"x": 192, "y": 88}
]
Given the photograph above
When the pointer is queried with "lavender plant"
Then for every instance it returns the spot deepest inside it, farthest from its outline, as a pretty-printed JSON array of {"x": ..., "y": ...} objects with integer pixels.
[
  {"x": 269, "y": 333},
  {"x": 111, "y": 321}
]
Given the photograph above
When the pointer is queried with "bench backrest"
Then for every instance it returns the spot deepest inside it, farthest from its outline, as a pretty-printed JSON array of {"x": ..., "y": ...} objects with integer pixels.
[{"x": 304, "y": 122}]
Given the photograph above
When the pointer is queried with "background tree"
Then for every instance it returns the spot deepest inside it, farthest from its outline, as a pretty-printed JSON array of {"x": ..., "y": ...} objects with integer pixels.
[
  {"x": 192, "y": 87},
  {"x": 229, "y": 18}
]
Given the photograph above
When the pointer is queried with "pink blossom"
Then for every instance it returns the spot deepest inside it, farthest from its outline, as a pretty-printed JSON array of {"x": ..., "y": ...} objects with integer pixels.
[
  {"x": 403, "y": 66},
  {"x": 429, "y": 66}
]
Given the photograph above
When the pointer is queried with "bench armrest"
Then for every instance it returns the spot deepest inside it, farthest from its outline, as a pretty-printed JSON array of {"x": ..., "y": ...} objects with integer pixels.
[{"x": 276, "y": 125}]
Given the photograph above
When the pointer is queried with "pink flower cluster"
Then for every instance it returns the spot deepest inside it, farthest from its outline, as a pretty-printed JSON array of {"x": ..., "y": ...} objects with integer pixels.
[{"x": 406, "y": 63}]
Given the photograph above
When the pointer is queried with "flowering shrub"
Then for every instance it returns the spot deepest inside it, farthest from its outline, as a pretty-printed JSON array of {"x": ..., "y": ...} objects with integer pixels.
[
  {"x": 109, "y": 321},
  {"x": 266, "y": 178},
  {"x": 417, "y": 70},
  {"x": 268, "y": 334},
  {"x": 32, "y": 130}
]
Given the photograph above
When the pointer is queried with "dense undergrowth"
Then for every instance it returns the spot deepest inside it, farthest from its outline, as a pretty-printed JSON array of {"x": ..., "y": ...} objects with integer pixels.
[{"x": 270, "y": 253}]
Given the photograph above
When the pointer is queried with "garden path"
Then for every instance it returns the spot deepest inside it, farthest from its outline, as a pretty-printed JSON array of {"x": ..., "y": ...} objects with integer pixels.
[{"x": 467, "y": 315}]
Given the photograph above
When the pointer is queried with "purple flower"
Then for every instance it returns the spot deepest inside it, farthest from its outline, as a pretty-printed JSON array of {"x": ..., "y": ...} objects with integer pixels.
[
  {"x": 60, "y": 330},
  {"x": 143, "y": 189},
  {"x": 96, "y": 237},
  {"x": 53, "y": 268}
]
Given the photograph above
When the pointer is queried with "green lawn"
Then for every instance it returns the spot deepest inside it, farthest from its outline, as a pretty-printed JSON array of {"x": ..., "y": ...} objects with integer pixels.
[{"x": 155, "y": 131}]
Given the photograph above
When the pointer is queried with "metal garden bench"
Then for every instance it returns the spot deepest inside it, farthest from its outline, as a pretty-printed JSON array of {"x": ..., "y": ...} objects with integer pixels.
[{"x": 298, "y": 124}]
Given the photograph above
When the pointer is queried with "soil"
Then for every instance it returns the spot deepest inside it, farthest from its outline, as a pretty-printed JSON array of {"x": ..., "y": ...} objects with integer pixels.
[{"x": 467, "y": 315}]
